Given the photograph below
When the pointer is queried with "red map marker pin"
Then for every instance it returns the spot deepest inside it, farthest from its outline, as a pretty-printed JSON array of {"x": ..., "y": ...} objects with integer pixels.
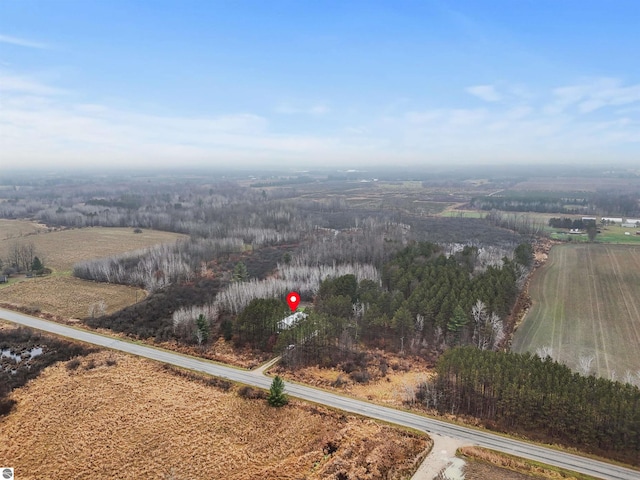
[{"x": 293, "y": 299}]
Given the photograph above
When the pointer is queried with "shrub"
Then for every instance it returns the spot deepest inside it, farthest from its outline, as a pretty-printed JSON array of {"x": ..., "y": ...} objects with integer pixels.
[
  {"x": 360, "y": 376},
  {"x": 73, "y": 364},
  {"x": 6, "y": 405},
  {"x": 251, "y": 393}
]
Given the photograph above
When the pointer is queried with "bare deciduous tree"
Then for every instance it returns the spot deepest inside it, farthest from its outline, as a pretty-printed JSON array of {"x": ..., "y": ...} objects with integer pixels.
[
  {"x": 544, "y": 351},
  {"x": 488, "y": 329},
  {"x": 584, "y": 364}
]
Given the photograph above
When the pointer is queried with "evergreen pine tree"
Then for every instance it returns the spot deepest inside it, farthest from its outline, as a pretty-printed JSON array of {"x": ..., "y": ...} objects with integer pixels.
[
  {"x": 240, "y": 272},
  {"x": 37, "y": 265},
  {"x": 277, "y": 397},
  {"x": 203, "y": 329}
]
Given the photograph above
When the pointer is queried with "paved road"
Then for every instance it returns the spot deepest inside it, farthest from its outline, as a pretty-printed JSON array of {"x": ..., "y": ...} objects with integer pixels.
[{"x": 418, "y": 422}]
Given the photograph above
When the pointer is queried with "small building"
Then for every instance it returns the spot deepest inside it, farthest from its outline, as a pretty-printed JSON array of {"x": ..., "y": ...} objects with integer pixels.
[
  {"x": 634, "y": 221},
  {"x": 611, "y": 219},
  {"x": 291, "y": 321},
  {"x": 588, "y": 219}
]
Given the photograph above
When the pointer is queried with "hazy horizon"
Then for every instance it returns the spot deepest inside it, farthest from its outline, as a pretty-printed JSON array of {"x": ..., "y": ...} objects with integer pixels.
[{"x": 299, "y": 85}]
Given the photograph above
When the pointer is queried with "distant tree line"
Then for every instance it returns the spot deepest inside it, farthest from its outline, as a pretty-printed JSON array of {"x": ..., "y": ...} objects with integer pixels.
[
  {"x": 568, "y": 223},
  {"x": 546, "y": 204},
  {"x": 604, "y": 203}
]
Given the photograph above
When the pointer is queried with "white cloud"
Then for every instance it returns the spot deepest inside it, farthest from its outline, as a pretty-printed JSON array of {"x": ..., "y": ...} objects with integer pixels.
[
  {"x": 41, "y": 125},
  {"x": 487, "y": 93},
  {"x": 21, "y": 42},
  {"x": 25, "y": 85},
  {"x": 593, "y": 95}
]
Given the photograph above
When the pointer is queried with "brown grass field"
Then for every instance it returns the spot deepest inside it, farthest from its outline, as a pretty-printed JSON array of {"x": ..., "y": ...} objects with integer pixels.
[
  {"x": 68, "y": 296},
  {"x": 392, "y": 389},
  {"x": 61, "y": 249},
  {"x": 136, "y": 420},
  {"x": 61, "y": 294},
  {"x": 485, "y": 464},
  {"x": 18, "y": 228},
  {"x": 586, "y": 302}
]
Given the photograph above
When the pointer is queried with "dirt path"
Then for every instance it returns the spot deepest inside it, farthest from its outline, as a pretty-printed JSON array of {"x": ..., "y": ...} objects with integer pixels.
[
  {"x": 442, "y": 455},
  {"x": 265, "y": 366}
]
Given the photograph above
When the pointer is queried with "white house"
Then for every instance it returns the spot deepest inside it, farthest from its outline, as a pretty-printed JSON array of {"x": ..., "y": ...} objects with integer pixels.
[{"x": 291, "y": 321}]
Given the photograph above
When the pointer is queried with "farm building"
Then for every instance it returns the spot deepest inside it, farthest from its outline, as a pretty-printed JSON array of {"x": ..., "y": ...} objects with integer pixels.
[
  {"x": 629, "y": 225},
  {"x": 611, "y": 220},
  {"x": 634, "y": 221},
  {"x": 588, "y": 219}
]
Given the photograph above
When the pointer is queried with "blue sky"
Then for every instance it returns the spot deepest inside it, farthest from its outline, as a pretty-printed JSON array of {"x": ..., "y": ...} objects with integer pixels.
[{"x": 329, "y": 83}]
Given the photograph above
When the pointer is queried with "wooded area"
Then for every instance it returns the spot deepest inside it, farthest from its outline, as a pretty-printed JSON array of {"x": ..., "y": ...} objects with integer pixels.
[{"x": 542, "y": 398}]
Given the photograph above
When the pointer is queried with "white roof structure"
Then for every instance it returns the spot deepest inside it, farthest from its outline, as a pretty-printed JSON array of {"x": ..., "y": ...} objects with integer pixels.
[{"x": 291, "y": 321}]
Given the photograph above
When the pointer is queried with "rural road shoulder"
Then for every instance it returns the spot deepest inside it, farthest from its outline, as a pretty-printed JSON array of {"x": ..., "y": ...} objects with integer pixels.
[{"x": 467, "y": 435}]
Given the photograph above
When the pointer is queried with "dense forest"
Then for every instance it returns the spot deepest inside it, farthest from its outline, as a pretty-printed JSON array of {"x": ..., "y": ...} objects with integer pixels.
[
  {"x": 539, "y": 397},
  {"x": 589, "y": 203},
  {"x": 425, "y": 302}
]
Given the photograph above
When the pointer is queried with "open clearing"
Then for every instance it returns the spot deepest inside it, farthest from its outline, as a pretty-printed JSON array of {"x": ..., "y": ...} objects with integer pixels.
[
  {"x": 586, "y": 302},
  {"x": 68, "y": 296},
  {"x": 61, "y": 294},
  {"x": 137, "y": 420},
  {"x": 19, "y": 228},
  {"x": 608, "y": 234},
  {"x": 60, "y": 250}
]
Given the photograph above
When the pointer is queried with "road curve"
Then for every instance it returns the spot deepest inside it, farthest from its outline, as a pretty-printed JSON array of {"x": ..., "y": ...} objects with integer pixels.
[{"x": 476, "y": 437}]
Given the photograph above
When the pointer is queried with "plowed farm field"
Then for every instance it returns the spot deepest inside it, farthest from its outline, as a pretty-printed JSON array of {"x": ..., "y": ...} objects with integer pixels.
[{"x": 586, "y": 303}]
